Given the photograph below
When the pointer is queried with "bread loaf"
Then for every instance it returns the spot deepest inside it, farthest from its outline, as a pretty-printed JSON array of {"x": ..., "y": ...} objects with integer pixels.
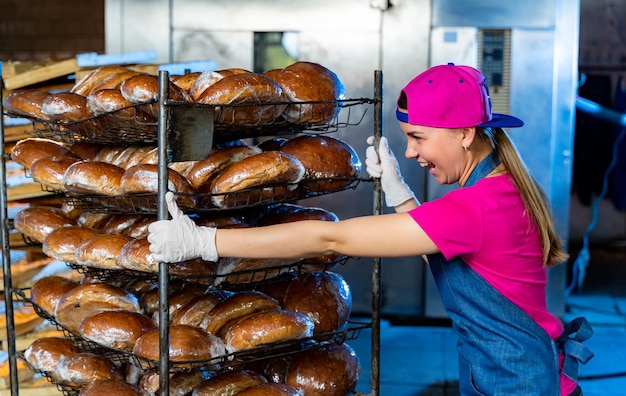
[
  {"x": 121, "y": 112},
  {"x": 186, "y": 343},
  {"x": 235, "y": 307},
  {"x": 252, "y": 89},
  {"x": 208, "y": 78},
  {"x": 104, "y": 387},
  {"x": 49, "y": 171},
  {"x": 86, "y": 367},
  {"x": 66, "y": 107},
  {"x": 328, "y": 370},
  {"x": 204, "y": 171},
  {"x": 120, "y": 223},
  {"x": 26, "y": 103},
  {"x": 48, "y": 290},
  {"x": 324, "y": 157},
  {"x": 144, "y": 88},
  {"x": 139, "y": 230},
  {"x": 143, "y": 178},
  {"x": 62, "y": 243},
  {"x": 269, "y": 389},
  {"x": 180, "y": 383},
  {"x": 194, "y": 312},
  {"x": 88, "y": 298},
  {"x": 267, "y": 327},
  {"x": 95, "y": 220},
  {"x": 135, "y": 255},
  {"x": 310, "y": 82},
  {"x": 87, "y": 84},
  {"x": 93, "y": 177},
  {"x": 86, "y": 150},
  {"x": 270, "y": 173},
  {"x": 229, "y": 383},
  {"x": 117, "y": 329},
  {"x": 27, "y": 151},
  {"x": 185, "y": 81},
  {"x": 325, "y": 297},
  {"x": 101, "y": 251},
  {"x": 45, "y": 353},
  {"x": 113, "y": 81},
  {"x": 37, "y": 222}
]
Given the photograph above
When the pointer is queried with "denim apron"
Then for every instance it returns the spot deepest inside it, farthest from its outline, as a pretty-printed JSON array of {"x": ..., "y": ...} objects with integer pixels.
[{"x": 502, "y": 350}]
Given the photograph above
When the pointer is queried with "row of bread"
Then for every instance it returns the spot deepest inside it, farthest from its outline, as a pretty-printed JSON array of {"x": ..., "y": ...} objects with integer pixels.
[
  {"x": 325, "y": 370},
  {"x": 209, "y": 322},
  {"x": 112, "y": 88},
  {"x": 118, "y": 241},
  {"x": 318, "y": 163}
]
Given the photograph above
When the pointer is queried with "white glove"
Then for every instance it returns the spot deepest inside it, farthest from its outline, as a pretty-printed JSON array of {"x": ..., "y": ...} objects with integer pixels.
[
  {"x": 385, "y": 166},
  {"x": 180, "y": 239}
]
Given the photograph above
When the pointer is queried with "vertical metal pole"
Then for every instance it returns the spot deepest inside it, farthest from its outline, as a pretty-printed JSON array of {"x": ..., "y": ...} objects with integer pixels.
[
  {"x": 376, "y": 273},
  {"x": 164, "y": 335},
  {"x": 6, "y": 260}
]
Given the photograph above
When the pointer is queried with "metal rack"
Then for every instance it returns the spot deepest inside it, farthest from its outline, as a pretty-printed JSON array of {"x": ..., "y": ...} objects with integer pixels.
[{"x": 199, "y": 126}]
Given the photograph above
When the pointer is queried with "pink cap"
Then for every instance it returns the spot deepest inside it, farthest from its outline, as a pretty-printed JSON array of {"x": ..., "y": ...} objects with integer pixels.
[{"x": 449, "y": 96}]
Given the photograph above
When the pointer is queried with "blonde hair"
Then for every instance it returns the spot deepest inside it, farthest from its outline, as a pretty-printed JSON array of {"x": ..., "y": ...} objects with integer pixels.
[{"x": 533, "y": 196}]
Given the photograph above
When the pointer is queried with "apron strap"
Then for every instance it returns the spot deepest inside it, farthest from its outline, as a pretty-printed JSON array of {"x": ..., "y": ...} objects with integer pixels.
[{"x": 570, "y": 341}]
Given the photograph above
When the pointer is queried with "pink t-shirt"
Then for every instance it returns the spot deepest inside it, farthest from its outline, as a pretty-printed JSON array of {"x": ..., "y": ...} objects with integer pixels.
[{"x": 486, "y": 226}]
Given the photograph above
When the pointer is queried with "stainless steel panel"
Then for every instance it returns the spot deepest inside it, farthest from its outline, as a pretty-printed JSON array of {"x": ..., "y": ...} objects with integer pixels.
[{"x": 494, "y": 14}]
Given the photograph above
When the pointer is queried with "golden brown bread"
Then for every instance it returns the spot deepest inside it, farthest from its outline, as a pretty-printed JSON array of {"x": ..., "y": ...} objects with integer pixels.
[
  {"x": 27, "y": 151},
  {"x": 185, "y": 81},
  {"x": 47, "y": 291},
  {"x": 120, "y": 223},
  {"x": 269, "y": 389},
  {"x": 252, "y": 89},
  {"x": 186, "y": 343},
  {"x": 104, "y": 387},
  {"x": 324, "y": 297},
  {"x": 66, "y": 107},
  {"x": 88, "y": 298},
  {"x": 267, "y": 327},
  {"x": 143, "y": 178},
  {"x": 93, "y": 177},
  {"x": 87, "y": 84},
  {"x": 209, "y": 77},
  {"x": 273, "y": 144},
  {"x": 310, "y": 82},
  {"x": 328, "y": 370},
  {"x": 85, "y": 367},
  {"x": 202, "y": 173},
  {"x": 324, "y": 157},
  {"x": 101, "y": 251},
  {"x": 113, "y": 81},
  {"x": 234, "y": 307},
  {"x": 37, "y": 222},
  {"x": 229, "y": 383},
  {"x": 95, "y": 220},
  {"x": 144, "y": 88},
  {"x": 49, "y": 171},
  {"x": 117, "y": 329},
  {"x": 86, "y": 150},
  {"x": 265, "y": 170},
  {"x": 62, "y": 243},
  {"x": 45, "y": 353},
  {"x": 194, "y": 312},
  {"x": 181, "y": 383},
  {"x": 135, "y": 255},
  {"x": 26, "y": 103},
  {"x": 139, "y": 230}
]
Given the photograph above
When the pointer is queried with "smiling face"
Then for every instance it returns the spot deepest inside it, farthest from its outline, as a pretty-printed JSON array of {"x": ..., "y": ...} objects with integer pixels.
[{"x": 440, "y": 150}]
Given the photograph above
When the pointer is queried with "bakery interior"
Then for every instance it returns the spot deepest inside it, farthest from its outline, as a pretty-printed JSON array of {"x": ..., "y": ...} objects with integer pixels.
[{"x": 557, "y": 64}]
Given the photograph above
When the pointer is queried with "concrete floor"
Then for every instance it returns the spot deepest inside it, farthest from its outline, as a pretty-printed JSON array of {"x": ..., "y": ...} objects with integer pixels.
[{"x": 421, "y": 360}]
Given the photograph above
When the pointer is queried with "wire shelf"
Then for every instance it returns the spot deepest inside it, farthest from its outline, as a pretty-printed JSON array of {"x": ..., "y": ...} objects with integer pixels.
[{"x": 137, "y": 128}]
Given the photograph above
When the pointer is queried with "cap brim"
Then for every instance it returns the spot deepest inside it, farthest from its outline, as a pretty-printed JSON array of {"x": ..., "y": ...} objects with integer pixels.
[{"x": 502, "y": 121}]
